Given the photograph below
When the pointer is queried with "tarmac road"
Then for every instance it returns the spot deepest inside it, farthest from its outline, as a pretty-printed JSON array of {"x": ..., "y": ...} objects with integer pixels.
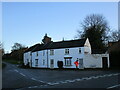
[{"x": 19, "y": 78}]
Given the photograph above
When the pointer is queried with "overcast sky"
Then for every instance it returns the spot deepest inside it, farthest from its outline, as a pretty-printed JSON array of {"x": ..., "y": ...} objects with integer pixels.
[{"x": 27, "y": 22}]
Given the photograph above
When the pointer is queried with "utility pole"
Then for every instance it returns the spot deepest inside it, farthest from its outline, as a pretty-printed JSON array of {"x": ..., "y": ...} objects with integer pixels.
[{"x": 47, "y": 58}]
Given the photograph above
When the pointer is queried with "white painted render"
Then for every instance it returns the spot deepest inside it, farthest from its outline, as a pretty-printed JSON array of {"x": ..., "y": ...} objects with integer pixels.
[
  {"x": 94, "y": 60},
  {"x": 87, "y": 46},
  {"x": 44, "y": 58},
  {"x": 59, "y": 55}
]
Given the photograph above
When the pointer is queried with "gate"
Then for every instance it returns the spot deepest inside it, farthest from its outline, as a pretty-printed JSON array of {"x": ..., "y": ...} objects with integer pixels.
[{"x": 81, "y": 63}]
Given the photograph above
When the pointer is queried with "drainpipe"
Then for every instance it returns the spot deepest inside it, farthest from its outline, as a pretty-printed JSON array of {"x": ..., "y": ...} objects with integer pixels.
[{"x": 47, "y": 58}]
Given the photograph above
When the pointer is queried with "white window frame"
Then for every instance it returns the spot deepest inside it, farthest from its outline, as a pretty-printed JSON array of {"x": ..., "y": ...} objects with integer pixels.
[
  {"x": 67, "y": 51},
  {"x": 51, "y": 51},
  {"x": 68, "y": 62},
  {"x": 80, "y": 50}
]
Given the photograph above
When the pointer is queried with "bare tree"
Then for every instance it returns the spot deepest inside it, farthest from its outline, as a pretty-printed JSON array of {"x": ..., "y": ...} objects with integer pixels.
[
  {"x": 95, "y": 27},
  {"x": 115, "y": 36},
  {"x": 17, "y": 46}
]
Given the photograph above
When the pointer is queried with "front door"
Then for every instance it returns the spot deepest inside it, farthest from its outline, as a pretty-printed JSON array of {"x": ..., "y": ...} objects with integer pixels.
[
  {"x": 81, "y": 63},
  {"x": 51, "y": 63},
  {"x": 104, "y": 62},
  {"x": 30, "y": 63}
]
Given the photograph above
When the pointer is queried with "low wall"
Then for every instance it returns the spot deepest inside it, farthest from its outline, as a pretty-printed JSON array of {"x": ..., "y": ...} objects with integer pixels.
[{"x": 94, "y": 60}]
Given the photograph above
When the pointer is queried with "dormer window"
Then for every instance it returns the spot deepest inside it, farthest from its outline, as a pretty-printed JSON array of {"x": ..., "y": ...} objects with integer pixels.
[
  {"x": 66, "y": 51},
  {"x": 51, "y": 52}
]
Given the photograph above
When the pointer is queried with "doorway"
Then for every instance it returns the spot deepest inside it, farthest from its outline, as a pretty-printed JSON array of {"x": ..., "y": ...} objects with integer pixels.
[
  {"x": 51, "y": 63},
  {"x": 104, "y": 62},
  {"x": 81, "y": 63}
]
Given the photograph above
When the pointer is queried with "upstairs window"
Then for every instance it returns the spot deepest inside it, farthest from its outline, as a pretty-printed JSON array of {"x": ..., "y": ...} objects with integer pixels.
[
  {"x": 43, "y": 53},
  {"x": 79, "y": 50},
  {"x": 66, "y": 51},
  {"x": 37, "y": 53},
  {"x": 51, "y": 52}
]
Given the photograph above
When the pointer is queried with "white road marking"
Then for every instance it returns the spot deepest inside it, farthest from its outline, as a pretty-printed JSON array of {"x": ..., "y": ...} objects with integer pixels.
[
  {"x": 16, "y": 70},
  {"x": 110, "y": 75},
  {"x": 78, "y": 79},
  {"x": 67, "y": 80},
  {"x": 116, "y": 74},
  {"x": 35, "y": 86},
  {"x": 94, "y": 77},
  {"x": 72, "y": 81},
  {"x": 41, "y": 81},
  {"x": 113, "y": 86},
  {"x": 33, "y": 78},
  {"x": 22, "y": 74},
  {"x": 63, "y": 82},
  {"x": 56, "y": 83},
  {"x": 29, "y": 87}
]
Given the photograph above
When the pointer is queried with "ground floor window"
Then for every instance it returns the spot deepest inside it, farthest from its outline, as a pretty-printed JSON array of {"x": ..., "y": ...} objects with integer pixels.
[
  {"x": 43, "y": 61},
  {"x": 68, "y": 62},
  {"x": 52, "y": 61},
  {"x": 36, "y": 62}
]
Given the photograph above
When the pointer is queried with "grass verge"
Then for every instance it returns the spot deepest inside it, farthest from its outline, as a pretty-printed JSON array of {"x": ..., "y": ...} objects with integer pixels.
[{"x": 12, "y": 61}]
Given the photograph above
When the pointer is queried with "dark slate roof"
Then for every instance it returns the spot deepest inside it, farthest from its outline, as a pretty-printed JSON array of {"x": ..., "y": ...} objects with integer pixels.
[
  {"x": 61, "y": 44},
  {"x": 32, "y": 48}
]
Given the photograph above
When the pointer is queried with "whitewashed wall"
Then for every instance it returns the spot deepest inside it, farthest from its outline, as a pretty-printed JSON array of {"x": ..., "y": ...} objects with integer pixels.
[
  {"x": 87, "y": 46},
  {"x": 27, "y": 58},
  {"x": 59, "y": 55},
  {"x": 94, "y": 60},
  {"x": 40, "y": 58}
]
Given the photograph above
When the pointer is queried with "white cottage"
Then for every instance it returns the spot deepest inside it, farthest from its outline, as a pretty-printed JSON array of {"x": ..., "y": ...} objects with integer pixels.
[{"x": 48, "y": 55}]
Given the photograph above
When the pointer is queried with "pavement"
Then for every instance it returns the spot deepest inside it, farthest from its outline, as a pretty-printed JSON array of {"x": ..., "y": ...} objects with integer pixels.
[{"x": 22, "y": 79}]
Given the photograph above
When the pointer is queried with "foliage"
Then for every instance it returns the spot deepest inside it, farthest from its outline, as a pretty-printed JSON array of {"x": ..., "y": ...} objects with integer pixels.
[
  {"x": 114, "y": 36},
  {"x": 95, "y": 27},
  {"x": 17, "y": 46},
  {"x": 1, "y": 49},
  {"x": 13, "y": 61},
  {"x": 17, "y": 52}
]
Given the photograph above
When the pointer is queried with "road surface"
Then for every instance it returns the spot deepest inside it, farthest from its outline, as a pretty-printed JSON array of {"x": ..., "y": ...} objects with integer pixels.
[{"x": 22, "y": 79}]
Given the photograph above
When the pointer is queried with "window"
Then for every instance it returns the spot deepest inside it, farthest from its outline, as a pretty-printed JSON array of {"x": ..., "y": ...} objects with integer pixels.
[
  {"x": 79, "y": 50},
  {"x": 66, "y": 51},
  {"x": 43, "y": 53},
  {"x": 52, "y": 61},
  {"x": 36, "y": 62},
  {"x": 68, "y": 62},
  {"x": 51, "y": 52},
  {"x": 43, "y": 61},
  {"x": 37, "y": 53}
]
